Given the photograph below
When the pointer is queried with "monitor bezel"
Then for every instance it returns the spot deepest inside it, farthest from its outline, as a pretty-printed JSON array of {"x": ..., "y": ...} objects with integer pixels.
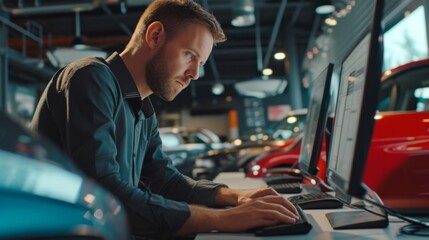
[{"x": 311, "y": 168}]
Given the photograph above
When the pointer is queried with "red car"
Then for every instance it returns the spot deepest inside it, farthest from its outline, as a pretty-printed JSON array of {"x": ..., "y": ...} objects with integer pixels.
[{"x": 398, "y": 159}]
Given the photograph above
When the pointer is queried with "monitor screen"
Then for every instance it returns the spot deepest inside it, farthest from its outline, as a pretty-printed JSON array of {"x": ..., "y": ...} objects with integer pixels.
[
  {"x": 315, "y": 122},
  {"x": 355, "y": 110}
]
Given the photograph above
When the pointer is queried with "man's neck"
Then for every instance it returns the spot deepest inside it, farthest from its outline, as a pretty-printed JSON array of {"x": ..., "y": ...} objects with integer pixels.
[{"x": 136, "y": 64}]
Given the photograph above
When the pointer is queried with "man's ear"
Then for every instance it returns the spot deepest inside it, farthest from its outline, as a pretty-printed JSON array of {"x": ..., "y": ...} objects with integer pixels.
[{"x": 155, "y": 34}]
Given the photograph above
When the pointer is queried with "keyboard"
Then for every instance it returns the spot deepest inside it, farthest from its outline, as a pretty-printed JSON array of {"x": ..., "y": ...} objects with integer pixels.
[
  {"x": 302, "y": 226},
  {"x": 317, "y": 200},
  {"x": 295, "y": 187},
  {"x": 277, "y": 179}
]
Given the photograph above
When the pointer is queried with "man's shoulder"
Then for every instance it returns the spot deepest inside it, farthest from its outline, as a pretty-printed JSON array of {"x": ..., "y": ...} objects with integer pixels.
[
  {"x": 85, "y": 69},
  {"x": 89, "y": 63}
]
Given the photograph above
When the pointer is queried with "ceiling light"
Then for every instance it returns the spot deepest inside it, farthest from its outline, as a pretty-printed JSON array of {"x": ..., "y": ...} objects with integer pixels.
[
  {"x": 218, "y": 88},
  {"x": 315, "y": 50},
  {"x": 267, "y": 71},
  {"x": 261, "y": 88},
  {"x": 279, "y": 55},
  {"x": 244, "y": 13},
  {"x": 325, "y": 7},
  {"x": 291, "y": 119},
  {"x": 331, "y": 21},
  {"x": 243, "y": 20}
]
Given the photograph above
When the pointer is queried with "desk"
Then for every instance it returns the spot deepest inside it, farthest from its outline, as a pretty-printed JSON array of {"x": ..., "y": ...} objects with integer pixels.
[{"x": 321, "y": 227}]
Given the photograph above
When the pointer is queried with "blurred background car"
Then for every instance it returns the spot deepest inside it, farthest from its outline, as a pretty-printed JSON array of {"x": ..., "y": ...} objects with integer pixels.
[
  {"x": 44, "y": 196},
  {"x": 184, "y": 144},
  {"x": 290, "y": 126},
  {"x": 277, "y": 137}
]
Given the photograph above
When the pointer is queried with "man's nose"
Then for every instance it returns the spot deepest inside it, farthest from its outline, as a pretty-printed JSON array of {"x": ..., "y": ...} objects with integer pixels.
[{"x": 193, "y": 72}]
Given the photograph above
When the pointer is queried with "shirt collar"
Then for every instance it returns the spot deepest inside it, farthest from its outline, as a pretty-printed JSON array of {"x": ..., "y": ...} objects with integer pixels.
[{"x": 127, "y": 84}]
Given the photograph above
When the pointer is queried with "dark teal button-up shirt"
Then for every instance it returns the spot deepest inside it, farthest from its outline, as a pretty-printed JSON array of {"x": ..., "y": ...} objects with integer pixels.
[{"x": 93, "y": 111}]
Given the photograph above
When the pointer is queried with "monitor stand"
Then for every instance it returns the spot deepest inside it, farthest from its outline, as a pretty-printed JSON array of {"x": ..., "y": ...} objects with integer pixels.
[{"x": 361, "y": 218}]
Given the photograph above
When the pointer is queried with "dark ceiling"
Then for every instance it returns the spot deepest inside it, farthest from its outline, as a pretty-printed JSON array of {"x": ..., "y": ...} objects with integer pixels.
[{"x": 241, "y": 57}]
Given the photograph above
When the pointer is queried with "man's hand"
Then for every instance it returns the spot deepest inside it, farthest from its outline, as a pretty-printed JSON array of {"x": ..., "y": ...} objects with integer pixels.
[
  {"x": 245, "y": 196},
  {"x": 256, "y": 212},
  {"x": 254, "y": 208},
  {"x": 252, "y": 212},
  {"x": 234, "y": 197}
]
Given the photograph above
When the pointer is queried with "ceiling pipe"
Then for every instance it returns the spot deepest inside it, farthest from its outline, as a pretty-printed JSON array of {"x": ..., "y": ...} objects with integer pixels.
[
  {"x": 312, "y": 38},
  {"x": 218, "y": 87},
  {"x": 23, "y": 31},
  {"x": 275, "y": 31},
  {"x": 38, "y": 8},
  {"x": 77, "y": 29},
  {"x": 224, "y": 5},
  {"x": 297, "y": 12},
  {"x": 118, "y": 22},
  {"x": 46, "y": 9},
  {"x": 259, "y": 56}
]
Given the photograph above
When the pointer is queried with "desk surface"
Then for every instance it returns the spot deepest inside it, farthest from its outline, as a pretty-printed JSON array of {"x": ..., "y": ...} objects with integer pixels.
[{"x": 321, "y": 227}]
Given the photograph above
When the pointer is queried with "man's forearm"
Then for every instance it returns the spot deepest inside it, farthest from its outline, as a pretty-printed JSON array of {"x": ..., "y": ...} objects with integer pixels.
[
  {"x": 202, "y": 219},
  {"x": 226, "y": 197}
]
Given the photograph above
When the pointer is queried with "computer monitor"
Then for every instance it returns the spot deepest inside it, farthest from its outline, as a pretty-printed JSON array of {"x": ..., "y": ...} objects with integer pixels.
[
  {"x": 354, "y": 121},
  {"x": 315, "y": 122}
]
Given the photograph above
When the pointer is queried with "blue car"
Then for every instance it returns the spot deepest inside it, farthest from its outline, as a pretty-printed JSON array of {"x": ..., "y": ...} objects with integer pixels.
[{"x": 43, "y": 195}]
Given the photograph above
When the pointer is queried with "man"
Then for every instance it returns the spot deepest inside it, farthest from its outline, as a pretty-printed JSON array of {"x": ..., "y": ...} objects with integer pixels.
[{"x": 99, "y": 112}]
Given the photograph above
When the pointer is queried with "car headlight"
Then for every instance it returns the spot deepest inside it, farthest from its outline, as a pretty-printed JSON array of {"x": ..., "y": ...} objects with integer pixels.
[{"x": 255, "y": 168}]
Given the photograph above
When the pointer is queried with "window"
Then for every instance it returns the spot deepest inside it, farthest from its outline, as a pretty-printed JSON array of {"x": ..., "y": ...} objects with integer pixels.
[
  {"x": 422, "y": 99},
  {"x": 407, "y": 40}
]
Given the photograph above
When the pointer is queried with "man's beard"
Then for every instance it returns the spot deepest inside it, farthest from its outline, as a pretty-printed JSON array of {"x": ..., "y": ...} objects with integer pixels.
[{"x": 157, "y": 77}]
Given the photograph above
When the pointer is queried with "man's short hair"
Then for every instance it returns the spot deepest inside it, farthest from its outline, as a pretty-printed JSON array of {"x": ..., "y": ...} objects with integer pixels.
[{"x": 176, "y": 14}]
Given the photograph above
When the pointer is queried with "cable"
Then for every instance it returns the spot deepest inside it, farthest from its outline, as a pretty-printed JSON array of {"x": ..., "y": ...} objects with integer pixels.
[
  {"x": 397, "y": 214},
  {"x": 414, "y": 229}
]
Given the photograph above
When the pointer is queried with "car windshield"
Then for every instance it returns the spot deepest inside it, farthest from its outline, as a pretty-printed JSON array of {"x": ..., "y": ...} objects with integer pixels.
[
  {"x": 287, "y": 128},
  {"x": 170, "y": 139},
  {"x": 406, "y": 89}
]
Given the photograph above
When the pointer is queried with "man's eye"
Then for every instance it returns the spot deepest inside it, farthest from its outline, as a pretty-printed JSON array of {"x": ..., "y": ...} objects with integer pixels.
[{"x": 191, "y": 56}]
